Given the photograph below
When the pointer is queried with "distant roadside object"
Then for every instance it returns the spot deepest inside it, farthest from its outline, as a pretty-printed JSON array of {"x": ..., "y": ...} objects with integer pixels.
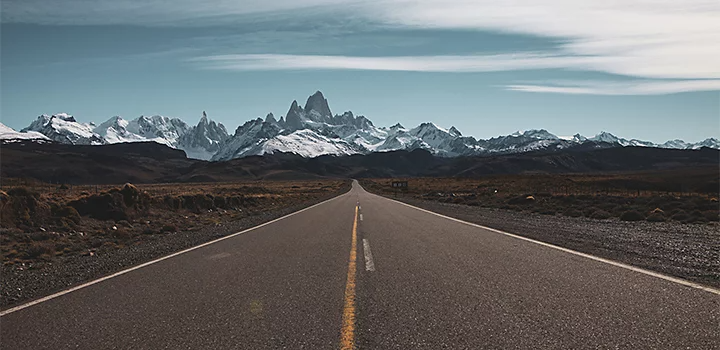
[{"x": 399, "y": 184}]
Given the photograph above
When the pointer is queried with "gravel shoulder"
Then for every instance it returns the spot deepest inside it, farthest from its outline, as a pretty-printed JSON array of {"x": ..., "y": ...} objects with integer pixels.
[
  {"x": 689, "y": 251},
  {"x": 22, "y": 283}
]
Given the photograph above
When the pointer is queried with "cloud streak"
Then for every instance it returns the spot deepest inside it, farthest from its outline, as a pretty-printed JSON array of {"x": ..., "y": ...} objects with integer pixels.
[
  {"x": 445, "y": 63},
  {"x": 620, "y": 88},
  {"x": 662, "y": 39},
  {"x": 472, "y": 63},
  {"x": 467, "y": 64}
]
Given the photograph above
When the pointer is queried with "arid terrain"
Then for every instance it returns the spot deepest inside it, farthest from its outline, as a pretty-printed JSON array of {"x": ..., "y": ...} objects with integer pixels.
[
  {"x": 54, "y": 236},
  {"x": 636, "y": 218},
  {"x": 687, "y": 195}
]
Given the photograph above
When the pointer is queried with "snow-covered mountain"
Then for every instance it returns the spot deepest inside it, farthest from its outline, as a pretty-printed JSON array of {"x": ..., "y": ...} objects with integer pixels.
[
  {"x": 63, "y": 128},
  {"x": 8, "y": 134},
  {"x": 201, "y": 141},
  {"x": 312, "y": 130}
]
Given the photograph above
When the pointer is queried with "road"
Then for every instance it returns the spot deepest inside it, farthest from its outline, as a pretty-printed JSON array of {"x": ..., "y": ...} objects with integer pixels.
[{"x": 362, "y": 271}]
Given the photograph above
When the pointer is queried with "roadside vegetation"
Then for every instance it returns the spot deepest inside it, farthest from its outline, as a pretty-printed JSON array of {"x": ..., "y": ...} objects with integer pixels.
[
  {"x": 40, "y": 223},
  {"x": 685, "y": 196}
]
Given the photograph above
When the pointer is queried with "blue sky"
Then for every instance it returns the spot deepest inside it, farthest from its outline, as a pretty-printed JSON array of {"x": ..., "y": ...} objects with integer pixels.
[{"x": 637, "y": 69}]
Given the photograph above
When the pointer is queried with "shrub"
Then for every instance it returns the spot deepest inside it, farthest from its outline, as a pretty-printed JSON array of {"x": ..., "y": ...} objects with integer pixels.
[
  {"x": 122, "y": 234},
  {"x": 66, "y": 212},
  {"x": 520, "y": 200},
  {"x": 588, "y": 212},
  {"x": 632, "y": 215},
  {"x": 607, "y": 206},
  {"x": 712, "y": 215},
  {"x": 22, "y": 192},
  {"x": 105, "y": 206},
  {"x": 572, "y": 212},
  {"x": 40, "y": 236},
  {"x": 36, "y": 250},
  {"x": 680, "y": 215},
  {"x": 600, "y": 214},
  {"x": 655, "y": 217},
  {"x": 131, "y": 194}
]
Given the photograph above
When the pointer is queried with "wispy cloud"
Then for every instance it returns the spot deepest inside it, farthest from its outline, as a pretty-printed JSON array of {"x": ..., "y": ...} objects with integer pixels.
[
  {"x": 468, "y": 64},
  {"x": 445, "y": 63},
  {"x": 663, "y": 39},
  {"x": 640, "y": 87},
  {"x": 471, "y": 63}
]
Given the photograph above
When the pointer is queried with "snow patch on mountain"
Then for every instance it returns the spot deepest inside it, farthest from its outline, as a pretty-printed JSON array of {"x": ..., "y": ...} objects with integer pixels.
[
  {"x": 63, "y": 128},
  {"x": 307, "y": 143},
  {"x": 8, "y": 134},
  {"x": 312, "y": 130}
]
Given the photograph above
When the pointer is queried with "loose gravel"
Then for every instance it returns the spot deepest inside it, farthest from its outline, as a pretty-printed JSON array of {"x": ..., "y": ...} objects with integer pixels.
[{"x": 689, "y": 251}]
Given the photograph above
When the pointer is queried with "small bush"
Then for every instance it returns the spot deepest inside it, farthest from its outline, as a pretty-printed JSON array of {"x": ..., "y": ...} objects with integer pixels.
[
  {"x": 521, "y": 200},
  {"x": 66, "y": 212},
  {"x": 680, "y": 215},
  {"x": 712, "y": 215},
  {"x": 588, "y": 212},
  {"x": 632, "y": 215},
  {"x": 655, "y": 217},
  {"x": 607, "y": 206},
  {"x": 131, "y": 194},
  {"x": 22, "y": 192},
  {"x": 36, "y": 250},
  {"x": 572, "y": 212},
  {"x": 600, "y": 215},
  {"x": 122, "y": 234},
  {"x": 40, "y": 236}
]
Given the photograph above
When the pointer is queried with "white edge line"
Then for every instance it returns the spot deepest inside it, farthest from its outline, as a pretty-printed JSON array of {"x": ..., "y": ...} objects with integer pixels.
[
  {"x": 592, "y": 257},
  {"x": 361, "y": 217},
  {"x": 369, "y": 263},
  {"x": 87, "y": 284}
]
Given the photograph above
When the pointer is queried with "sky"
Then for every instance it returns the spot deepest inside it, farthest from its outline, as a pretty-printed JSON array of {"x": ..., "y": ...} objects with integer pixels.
[{"x": 636, "y": 68}]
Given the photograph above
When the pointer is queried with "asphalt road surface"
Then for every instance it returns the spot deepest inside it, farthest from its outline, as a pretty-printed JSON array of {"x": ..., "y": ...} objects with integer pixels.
[{"x": 361, "y": 271}]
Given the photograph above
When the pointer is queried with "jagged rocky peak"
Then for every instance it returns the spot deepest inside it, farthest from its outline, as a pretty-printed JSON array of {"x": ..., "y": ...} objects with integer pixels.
[
  {"x": 455, "y": 132},
  {"x": 579, "y": 138},
  {"x": 363, "y": 123},
  {"x": 346, "y": 118},
  {"x": 397, "y": 127},
  {"x": 293, "y": 118},
  {"x": 64, "y": 116},
  {"x": 426, "y": 128},
  {"x": 318, "y": 103},
  {"x": 540, "y": 134},
  {"x": 605, "y": 136},
  {"x": 270, "y": 118}
]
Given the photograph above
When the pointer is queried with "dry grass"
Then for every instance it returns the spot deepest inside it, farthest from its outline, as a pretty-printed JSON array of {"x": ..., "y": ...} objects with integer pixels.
[
  {"x": 41, "y": 221},
  {"x": 636, "y": 196}
]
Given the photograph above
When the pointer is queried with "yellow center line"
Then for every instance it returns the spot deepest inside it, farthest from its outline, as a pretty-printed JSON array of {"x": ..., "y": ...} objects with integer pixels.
[{"x": 347, "y": 335}]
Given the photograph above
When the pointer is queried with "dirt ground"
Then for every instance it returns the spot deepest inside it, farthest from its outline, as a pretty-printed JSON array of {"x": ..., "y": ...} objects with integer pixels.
[
  {"x": 628, "y": 197},
  {"x": 52, "y": 238}
]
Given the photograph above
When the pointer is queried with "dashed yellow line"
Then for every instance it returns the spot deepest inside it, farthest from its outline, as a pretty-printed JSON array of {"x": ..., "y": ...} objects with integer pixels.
[{"x": 347, "y": 335}]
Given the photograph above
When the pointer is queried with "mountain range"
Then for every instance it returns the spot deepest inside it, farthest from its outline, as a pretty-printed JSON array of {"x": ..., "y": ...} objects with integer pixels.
[{"x": 309, "y": 131}]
